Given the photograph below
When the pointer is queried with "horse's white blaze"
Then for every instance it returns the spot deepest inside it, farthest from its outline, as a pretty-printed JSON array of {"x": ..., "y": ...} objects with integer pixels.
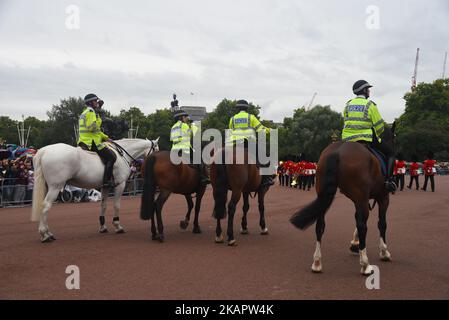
[
  {"x": 58, "y": 164},
  {"x": 384, "y": 254},
  {"x": 317, "y": 266}
]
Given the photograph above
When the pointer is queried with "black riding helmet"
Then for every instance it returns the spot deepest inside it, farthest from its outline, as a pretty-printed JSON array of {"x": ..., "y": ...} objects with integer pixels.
[
  {"x": 92, "y": 97},
  {"x": 359, "y": 86},
  {"x": 242, "y": 104},
  {"x": 179, "y": 113}
]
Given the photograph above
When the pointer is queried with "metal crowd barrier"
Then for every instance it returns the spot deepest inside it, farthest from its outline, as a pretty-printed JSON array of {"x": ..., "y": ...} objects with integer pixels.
[{"x": 14, "y": 195}]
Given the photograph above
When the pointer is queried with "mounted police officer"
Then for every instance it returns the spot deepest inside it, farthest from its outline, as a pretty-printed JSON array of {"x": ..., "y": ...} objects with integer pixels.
[
  {"x": 92, "y": 138},
  {"x": 244, "y": 128},
  {"x": 181, "y": 134},
  {"x": 363, "y": 123}
]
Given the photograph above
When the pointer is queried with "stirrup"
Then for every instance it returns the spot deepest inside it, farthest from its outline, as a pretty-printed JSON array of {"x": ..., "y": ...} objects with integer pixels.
[{"x": 391, "y": 186}]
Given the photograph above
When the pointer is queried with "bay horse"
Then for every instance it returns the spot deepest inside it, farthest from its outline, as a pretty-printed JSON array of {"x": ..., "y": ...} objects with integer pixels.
[
  {"x": 58, "y": 164},
  {"x": 351, "y": 167},
  {"x": 240, "y": 179},
  {"x": 159, "y": 171}
]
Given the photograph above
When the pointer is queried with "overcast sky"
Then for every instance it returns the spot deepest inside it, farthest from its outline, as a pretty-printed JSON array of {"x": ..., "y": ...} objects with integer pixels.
[{"x": 273, "y": 53}]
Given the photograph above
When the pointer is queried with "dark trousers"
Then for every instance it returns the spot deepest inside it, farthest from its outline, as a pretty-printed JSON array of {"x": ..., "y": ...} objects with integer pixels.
[
  {"x": 389, "y": 154},
  {"x": 400, "y": 181},
  {"x": 414, "y": 178},
  {"x": 432, "y": 183}
]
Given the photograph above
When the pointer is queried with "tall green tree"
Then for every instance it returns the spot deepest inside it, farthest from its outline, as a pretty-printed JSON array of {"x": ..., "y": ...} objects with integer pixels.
[
  {"x": 424, "y": 126},
  {"x": 159, "y": 125}
]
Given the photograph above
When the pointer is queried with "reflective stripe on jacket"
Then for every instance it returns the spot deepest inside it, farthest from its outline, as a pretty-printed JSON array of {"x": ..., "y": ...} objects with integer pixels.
[
  {"x": 90, "y": 129},
  {"x": 360, "y": 117},
  {"x": 244, "y": 126}
]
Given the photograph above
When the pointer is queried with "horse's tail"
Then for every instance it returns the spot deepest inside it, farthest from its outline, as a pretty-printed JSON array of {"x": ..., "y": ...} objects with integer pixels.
[
  {"x": 308, "y": 215},
  {"x": 40, "y": 187},
  {"x": 149, "y": 188},
  {"x": 220, "y": 191}
]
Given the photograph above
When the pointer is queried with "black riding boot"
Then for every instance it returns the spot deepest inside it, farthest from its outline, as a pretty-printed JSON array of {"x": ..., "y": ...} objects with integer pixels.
[
  {"x": 108, "y": 180},
  {"x": 390, "y": 183}
]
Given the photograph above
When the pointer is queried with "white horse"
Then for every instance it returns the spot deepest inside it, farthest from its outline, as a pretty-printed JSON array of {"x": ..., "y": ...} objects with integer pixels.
[{"x": 58, "y": 164}]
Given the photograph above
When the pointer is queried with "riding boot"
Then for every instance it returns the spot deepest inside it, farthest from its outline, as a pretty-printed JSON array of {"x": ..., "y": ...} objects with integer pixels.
[
  {"x": 390, "y": 183},
  {"x": 108, "y": 179}
]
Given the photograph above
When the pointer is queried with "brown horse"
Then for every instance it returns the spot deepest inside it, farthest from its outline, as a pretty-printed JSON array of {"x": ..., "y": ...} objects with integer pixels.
[
  {"x": 240, "y": 179},
  {"x": 351, "y": 167},
  {"x": 159, "y": 171}
]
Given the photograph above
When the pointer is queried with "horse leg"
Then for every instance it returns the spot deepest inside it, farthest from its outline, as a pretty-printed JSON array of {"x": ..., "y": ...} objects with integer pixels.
[
  {"x": 261, "y": 199},
  {"x": 46, "y": 235},
  {"x": 218, "y": 233},
  {"x": 244, "y": 228},
  {"x": 185, "y": 223},
  {"x": 355, "y": 242},
  {"x": 199, "y": 197},
  {"x": 319, "y": 230},
  {"x": 163, "y": 196},
  {"x": 104, "y": 201},
  {"x": 117, "y": 196},
  {"x": 231, "y": 212},
  {"x": 362, "y": 213},
  {"x": 384, "y": 254}
]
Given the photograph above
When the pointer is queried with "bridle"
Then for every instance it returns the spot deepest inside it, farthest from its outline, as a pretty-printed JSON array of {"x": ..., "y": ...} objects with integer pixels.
[{"x": 134, "y": 161}]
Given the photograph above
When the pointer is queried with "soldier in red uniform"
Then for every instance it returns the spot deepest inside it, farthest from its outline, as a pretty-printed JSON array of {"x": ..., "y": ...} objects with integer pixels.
[
  {"x": 288, "y": 173},
  {"x": 309, "y": 166},
  {"x": 429, "y": 171},
  {"x": 414, "y": 173},
  {"x": 400, "y": 168}
]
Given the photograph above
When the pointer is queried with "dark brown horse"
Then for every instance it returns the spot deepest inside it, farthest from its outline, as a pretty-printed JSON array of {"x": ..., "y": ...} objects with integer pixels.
[
  {"x": 159, "y": 171},
  {"x": 241, "y": 179},
  {"x": 351, "y": 167}
]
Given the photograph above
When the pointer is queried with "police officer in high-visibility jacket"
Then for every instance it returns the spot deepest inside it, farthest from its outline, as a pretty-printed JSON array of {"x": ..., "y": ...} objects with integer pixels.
[
  {"x": 363, "y": 123},
  {"x": 92, "y": 138},
  {"x": 181, "y": 134},
  {"x": 244, "y": 127}
]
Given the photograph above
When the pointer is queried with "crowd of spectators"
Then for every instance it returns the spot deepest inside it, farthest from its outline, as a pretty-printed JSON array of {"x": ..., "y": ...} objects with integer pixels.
[{"x": 16, "y": 181}]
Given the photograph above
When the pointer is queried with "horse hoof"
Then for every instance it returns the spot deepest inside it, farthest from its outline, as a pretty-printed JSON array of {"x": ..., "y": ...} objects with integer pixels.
[
  {"x": 244, "y": 231},
  {"x": 183, "y": 224},
  {"x": 47, "y": 239},
  {"x": 264, "y": 231},
  {"x": 354, "y": 248},
  {"x": 317, "y": 267},
  {"x": 232, "y": 243},
  {"x": 161, "y": 238},
  {"x": 154, "y": 237},
  {"x": 196, "y": 230},
  {"x": 103, "y": 229},
  {"x": 219, "y": 239},
  {"x": 120, "y": 230},
  {"x": 367, "y": 270},
  {"x": 385, "y": 256}
]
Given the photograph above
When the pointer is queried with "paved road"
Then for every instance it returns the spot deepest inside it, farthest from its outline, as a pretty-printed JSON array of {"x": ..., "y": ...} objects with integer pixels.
[{"x": 192, "y": 266}]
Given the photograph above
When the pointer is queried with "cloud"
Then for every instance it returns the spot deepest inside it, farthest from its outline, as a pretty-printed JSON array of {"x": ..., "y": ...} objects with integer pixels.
[{"x": 276, "y": 54}]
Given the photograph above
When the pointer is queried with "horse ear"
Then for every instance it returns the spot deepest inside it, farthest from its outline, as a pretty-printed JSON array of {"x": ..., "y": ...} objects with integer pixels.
[
  {"x": 157, "y": 140},
  {"x": 393, "y": 127}
]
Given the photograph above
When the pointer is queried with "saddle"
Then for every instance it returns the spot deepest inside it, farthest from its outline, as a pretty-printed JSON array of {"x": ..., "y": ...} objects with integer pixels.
[{"x": 379, "y": 156}]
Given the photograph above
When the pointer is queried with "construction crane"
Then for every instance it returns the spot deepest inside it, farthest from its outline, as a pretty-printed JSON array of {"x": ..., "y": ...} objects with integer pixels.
[
  {"x": 415, "y": 73},
  {"x": 444, "y": 66},
  {"x": 311, "y": 101}
]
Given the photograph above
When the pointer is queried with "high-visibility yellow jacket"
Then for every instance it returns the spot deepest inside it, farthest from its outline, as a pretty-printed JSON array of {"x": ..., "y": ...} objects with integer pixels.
[
  {"x": 90, "y": 129},
  {"x": 360, "y": 117},
  {"x": 181, "y": 134},
  {"x": 244, "y": 126}
]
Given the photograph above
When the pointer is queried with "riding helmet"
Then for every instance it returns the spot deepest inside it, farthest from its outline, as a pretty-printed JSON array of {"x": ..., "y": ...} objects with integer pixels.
[
  {"x": 242, "y": 104},
  {"x": 360, "y": 85},
  {"x": 90, "y": 97},
  {"x": 179, "y": 113}
]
